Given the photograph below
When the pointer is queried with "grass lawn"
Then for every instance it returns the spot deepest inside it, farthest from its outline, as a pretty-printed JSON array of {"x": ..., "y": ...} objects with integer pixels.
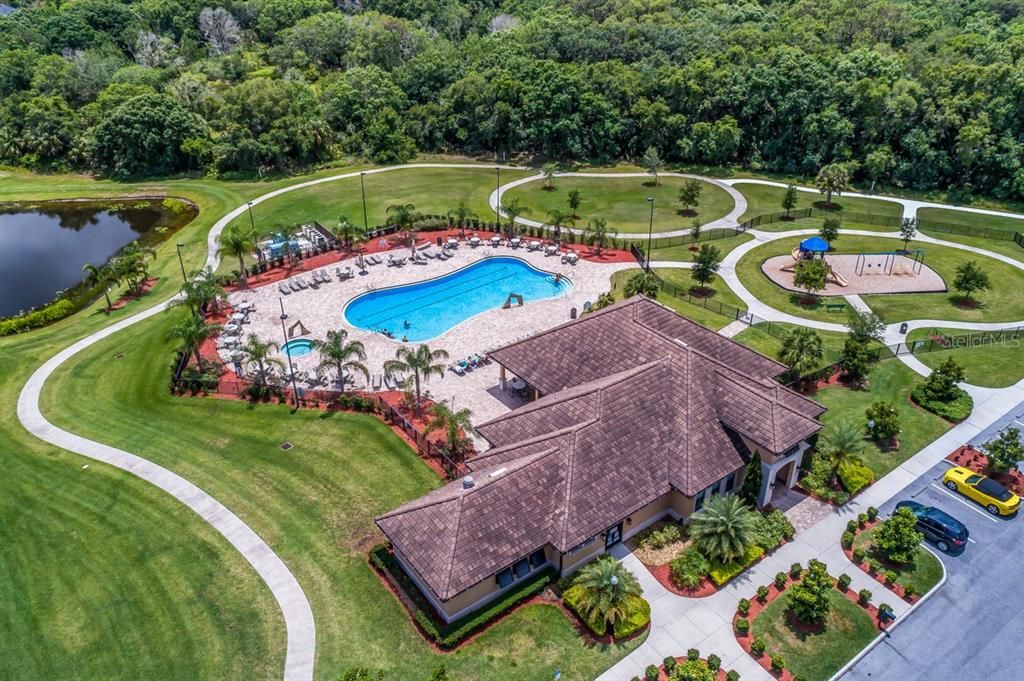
[
  {"x": 996, "y": 365},
  {"x": 959, "y": 217},
  {"x": 697, "y": 313},
  {"x": 757, "y": 338},
  {"x": 684, "y": 254},
  {"x": 764, "y": 199},
  {"x": 1000, "y": 303},
  {"x": 103, "y": 576},
  {"x": 622, "y": 201},
  {"x": 1008, "y": 248},
  {"x": 817, "y": 656},
  {"x": 892, "y": 381},
  {"x": 922, "y": 574}
]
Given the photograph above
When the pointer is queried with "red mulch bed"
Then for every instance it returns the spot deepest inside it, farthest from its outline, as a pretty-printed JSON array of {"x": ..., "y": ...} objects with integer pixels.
[
  {"x": 663, "y": 574},
  {"x": 969, "y": 457},
  {"x": 774, "y": 592},
  {"x": 720, "y": 675},
  {"x": 146, "y": 287},
  {"x": 879, "y": 577}
]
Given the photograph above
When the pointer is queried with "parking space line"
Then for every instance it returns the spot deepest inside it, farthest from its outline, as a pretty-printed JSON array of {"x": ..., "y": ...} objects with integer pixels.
[
  {"x": 983, "y": 514},
  {"x": 971, "y": 540}
]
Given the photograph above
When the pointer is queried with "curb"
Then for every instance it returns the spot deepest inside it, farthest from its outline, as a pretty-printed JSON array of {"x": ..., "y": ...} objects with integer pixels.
[{"x": 898, "y": 621}]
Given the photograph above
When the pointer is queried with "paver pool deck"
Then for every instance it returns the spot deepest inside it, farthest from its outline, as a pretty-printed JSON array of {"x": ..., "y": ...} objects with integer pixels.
[{"x": 322, "y": 310}]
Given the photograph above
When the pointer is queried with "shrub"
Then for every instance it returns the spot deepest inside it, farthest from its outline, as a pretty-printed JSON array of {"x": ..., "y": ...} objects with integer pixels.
[
  {"x": 780, "y": 579},
  {"x": 31, "y": 320},
  {"x": 909, "y": 591},
  {"x": 885, "y": 421},
  {"x": 862, "y": 520},
  {"x": 758, "y": 646},
  {"x": 692, "y": 654},
  {"x": 742, "y": 625},
  {"x": 724, "y": 529},
  {"x": 956, "y": 408},
  {"x": 714, "y": 662},
  {"x": 693, "y": 670},
  {"x": 572, "y": 598},
  {"x": 669, "y": 663},
  {"x": 771, "y": 528},
  {"x": 847, "y": 540},
  {"x": 638, "y": 617},
  {"x": 652, "y": 673},
  {"x": 851, "y": 526},
  {"x": 844, "y": 581},
  {"x": 778, "y": 663},
  {"x": 721, "y": 573},
  {"x": 689, "y": 568},
  {"x": 795, "y": 570},
  {"x": 733, "y": 675},
  {"x": 743, "y": 607},
  {"x": 898, "y": 538},
  {"x": 864, "y": 596},
  {"x": 874, "y": 566},
  {"x": 762, "y": 593},
  {"x": 661, "y": 537},
  {"x": 854, "y": 475},
  {"x": 858, "y": 556},
  {"x": 890, "y": 577},
  {"x": 872, "y": 513},
  {"x": 809, "y": 598}
]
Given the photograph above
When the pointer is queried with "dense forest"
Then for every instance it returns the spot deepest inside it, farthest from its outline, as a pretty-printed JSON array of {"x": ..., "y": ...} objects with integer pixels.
[{"x": 922, "y": 94}]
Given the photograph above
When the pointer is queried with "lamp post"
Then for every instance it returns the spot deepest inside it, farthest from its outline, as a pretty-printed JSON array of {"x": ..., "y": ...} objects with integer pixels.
[
  {"x": 252, "y": 223},
  {"x": 497, "y": 200},
  {"x": 362, "y": 192},
  {"x": 291, "y": 367},
  {"x": 650, "y": 231},
  {"x": 181, "y": 262}
]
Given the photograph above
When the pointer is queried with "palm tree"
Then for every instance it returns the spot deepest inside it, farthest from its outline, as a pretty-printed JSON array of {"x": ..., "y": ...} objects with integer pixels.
[
  {"x": 455, "y": 424},
  {"x": 349, "y": 233},
  {"x": 607, "y": 589},
  {"x": 724, "y": 529},
  {"x": 260, "y": 354},
  {"x": 845, "y": 441},
  {"x": 192, "y": 331},
  {"x": 513, "y": 209},
  {"x": 199, "y": 291},
  {"x": 403, "y": 215},
  {"x": 642, "y": 283},
  {"x": 100, "y": 275},
  {"x": 461, "y": 215},
  {"x": 548, "y": 170},
  {"x": 339, "y": 354},
  {"x": 131, "y": 265},
  {"x": 560, "y": 219},
  {"x": 598, "y": 232},
  {"x": 802, "y": 349},
  {"x": 238, "y": 242},
  {"x": 422, "y": 362}
]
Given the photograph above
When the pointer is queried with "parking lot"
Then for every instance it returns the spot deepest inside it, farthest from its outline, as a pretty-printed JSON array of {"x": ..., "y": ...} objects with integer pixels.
[{"x": 969, "y": 629}]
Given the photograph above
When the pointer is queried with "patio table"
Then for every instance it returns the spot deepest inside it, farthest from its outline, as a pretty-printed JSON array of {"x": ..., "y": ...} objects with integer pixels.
[
  {"x": 515, "y": 241},
  {"x": 232, "y": 329},
  {"x": 474, "y": 240},
  {"x": 452, "y": 241},
  {"x": 237, "y": 316},
  {"x": 517, "y": 384},
  {"x": 495, "y": 240},
  {"x": 551, "y": 250},
  {"x": 534, "y": 245}
]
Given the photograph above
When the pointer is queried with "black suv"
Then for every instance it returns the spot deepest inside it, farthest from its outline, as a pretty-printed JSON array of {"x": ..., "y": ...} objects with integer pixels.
[{"x": 940, "y": 528}]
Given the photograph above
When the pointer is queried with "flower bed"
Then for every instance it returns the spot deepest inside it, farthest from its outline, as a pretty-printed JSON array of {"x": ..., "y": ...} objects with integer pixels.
[
  {"x": 720, "y": 674},
  {"x": 969, "y": 457},
  {"x": 862, "y": 543},
  {"x": 772, "y": 593}
]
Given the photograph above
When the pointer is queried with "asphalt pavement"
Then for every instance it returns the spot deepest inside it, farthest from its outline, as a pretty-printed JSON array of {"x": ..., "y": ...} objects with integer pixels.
[{"x": 970, "y": 628}]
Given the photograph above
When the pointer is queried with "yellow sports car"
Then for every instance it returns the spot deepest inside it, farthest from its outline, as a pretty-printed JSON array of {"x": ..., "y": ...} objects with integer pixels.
[{"x": 996, "y": 499}]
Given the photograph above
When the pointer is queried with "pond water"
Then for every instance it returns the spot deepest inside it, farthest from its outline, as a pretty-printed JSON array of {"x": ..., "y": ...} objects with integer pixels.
[{"x": 43, "y": 249}]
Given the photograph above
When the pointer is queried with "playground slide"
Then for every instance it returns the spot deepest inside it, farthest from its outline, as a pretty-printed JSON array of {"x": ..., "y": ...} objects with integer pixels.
[{"x": 839, "y": 279}]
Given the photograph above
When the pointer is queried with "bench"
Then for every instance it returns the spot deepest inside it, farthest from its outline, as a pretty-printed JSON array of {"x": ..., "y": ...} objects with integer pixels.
[{"x": 835, "y": 307}]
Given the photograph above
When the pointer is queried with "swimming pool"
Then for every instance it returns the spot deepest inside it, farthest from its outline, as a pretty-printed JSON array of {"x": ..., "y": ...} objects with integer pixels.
[
  {"x": 426, "y": 309},
  {"x": 300, "y": 347}
]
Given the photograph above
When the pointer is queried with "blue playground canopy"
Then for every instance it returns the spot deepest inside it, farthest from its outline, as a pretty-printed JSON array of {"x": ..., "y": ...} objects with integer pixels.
[{"x": 814, "y": 245}]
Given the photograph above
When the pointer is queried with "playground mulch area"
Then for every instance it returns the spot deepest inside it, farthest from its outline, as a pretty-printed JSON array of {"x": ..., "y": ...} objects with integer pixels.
[{"x": 872, "y": 280}]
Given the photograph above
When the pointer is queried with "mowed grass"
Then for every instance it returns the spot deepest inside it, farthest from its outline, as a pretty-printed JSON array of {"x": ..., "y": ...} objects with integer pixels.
[
  {"x": 1002, "y": 302},
  {"x": 684, "y": 254},
  {"x": 978, "y": 220},
  {"x": 622, "y": 202},
  {"x": 766, "y": 199},
  {"x": 891, "y": 381},
  {"x": 922, "y": 573},
  {"x": 815, "y": 656},
  {"x": 989, "y": 360},
  {"x": 697, "y": 312},
  {"x": 758, "y": 338},
  {"x": 314, "y": 504},
  {"x": 1009, "y": 248}
]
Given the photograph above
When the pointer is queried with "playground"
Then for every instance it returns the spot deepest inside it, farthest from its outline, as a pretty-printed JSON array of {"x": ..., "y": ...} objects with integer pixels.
[{"x": 857, "y": 273}]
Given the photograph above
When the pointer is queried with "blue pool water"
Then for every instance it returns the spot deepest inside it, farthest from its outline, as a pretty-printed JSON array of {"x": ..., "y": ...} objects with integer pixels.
[
  {"x": 425, "y": 309},
  {"x": 300, "y": 347}
]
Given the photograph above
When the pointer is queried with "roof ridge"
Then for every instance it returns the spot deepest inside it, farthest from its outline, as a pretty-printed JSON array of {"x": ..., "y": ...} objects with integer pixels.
[
  {"x": 570, "y": 469},
  {"x": 529, "y": 441},
  {"x": 593, "y": 314},
  {"x": 450, "y": 563}
]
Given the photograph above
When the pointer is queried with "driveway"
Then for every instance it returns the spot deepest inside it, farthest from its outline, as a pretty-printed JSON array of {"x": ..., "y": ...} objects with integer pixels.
[{"x": 967, "y": 630}]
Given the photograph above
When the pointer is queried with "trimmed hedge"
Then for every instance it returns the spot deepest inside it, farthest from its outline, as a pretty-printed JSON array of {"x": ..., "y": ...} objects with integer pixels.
[
  {"x": 451, "y": 634},
  {"x": 571, "y": 597},
  {"x": 639, "y": 614},
  {"x": 854, "y": 475},
  {"x": 720, "y": 573},
  {"x": 41, "y": 317},
  {"x": 954, "y": 410}
]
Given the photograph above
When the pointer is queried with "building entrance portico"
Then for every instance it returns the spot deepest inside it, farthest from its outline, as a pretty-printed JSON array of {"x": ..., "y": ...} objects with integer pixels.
[{"x": 780, "y": 474}]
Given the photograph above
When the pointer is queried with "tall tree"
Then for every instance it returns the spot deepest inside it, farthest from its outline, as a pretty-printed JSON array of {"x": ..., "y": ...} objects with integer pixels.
[
  {"x": 1005, "y": 451},
  {"x": 548, "y": 171},
  {"x": 750, "y": 491},
  {"x": 811, "y": 275},
  {"x": 810, "y": 599},
  {"x": 339, "y": 354},
  {"x": 833, "y": 179},
  {"x": 575, "y": 198},
  {"x": 829, "y": 230},
  {"x": 261, "y": 355},
  {"x": 898, "y": 538},
  {"x": 100, "y": 275},
  {"x": 908, "y": 230},
  {"x": 514, "y": 209},
  {"x": 558, "y": 220},
  {"x": 192, "y": 331},
  {"x": 865, "y": 326},
  {"x": 705, "y": 265},
  {"x": 597, "y": 233},
  {"x": 455, "y": 424},
  {"x": 689, "y": 195},
  {"x": 461, "y": 215},
  {"x": 970, "y": 278},
  {"x": 403, "y": 215},
  {"x": 652, "y": 163},
  {"x": 802, "y": 349},
  {"x": 237, "y": 242},
  {"x": 789, "y": 199},
  {"x": 421, "y": 362}
]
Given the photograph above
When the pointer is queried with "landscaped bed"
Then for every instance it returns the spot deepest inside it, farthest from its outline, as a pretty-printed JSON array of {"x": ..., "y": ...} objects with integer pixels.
[
  {"x": 693, "y": 667},
  {"x": 767, "y": 630},
  {"x": 909, "y": 580},
  {"x": 976, "y": 460},
  {"x": 991, "y": 360}
]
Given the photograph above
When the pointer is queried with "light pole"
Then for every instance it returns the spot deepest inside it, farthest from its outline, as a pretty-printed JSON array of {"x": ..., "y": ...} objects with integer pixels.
[
  {"x": 181, "y": 262},
  {"x": 291, "y": 367},
  {"x": 362, "y": 191},
  {"x": 497, "y": 201},
  {"x": 650, "y": 230},
  {"x": 252, "y": 223}
]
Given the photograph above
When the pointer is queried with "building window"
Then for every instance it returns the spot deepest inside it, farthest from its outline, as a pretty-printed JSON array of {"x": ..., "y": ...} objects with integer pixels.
[
  {"x": 537, "y": 558},
  {"x": 504, "y": 578},
  {"x": 698, "y": 501},
  {"x": 521, "y": 568},
  {"x": 730, "y": 482}
]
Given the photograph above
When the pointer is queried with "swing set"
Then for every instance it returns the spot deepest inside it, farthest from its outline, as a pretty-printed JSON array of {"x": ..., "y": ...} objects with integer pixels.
[{"x": 886, "y": 263}]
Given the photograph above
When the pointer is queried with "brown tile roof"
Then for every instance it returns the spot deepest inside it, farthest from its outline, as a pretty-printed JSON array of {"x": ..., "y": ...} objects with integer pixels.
[{"x": 571, "y": 464}]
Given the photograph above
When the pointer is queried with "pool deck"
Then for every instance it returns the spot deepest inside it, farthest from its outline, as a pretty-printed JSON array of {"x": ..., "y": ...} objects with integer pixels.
[{"x": 321, "y": 310}]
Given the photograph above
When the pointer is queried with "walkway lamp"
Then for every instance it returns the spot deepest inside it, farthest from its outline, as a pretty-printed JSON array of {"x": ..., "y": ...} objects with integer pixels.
[
  {"x": 362, "y": 192},
  {"x": 291, "y": 367},
  {"x": 181, "y": 262},
  {"x": 497, "y": 201},
  {"x": 650, "y": 231},
  {"x": 252, "y": 223}
]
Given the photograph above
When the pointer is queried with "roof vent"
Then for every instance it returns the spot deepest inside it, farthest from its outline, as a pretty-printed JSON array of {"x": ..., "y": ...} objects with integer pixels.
[
  {"x": 494, "y": 474},
  {"x": 681, "y": 342},
  {"x": 468, "y": 482}
]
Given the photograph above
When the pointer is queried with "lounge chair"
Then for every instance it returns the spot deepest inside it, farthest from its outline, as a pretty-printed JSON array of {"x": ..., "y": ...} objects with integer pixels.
[
  {"x": 313, "y": 283},
  {"x": 302, "y": 284},
  {"x": 429, "y": 255},
  {"x": 457, "y": 370},
  {"x": 375, "y": 383},
  {"x": 377, "y": 260},
  {"x": 283, "y": 289},
  {"x": 389, "y": 381},
  {"x": 294, "y": 285}
]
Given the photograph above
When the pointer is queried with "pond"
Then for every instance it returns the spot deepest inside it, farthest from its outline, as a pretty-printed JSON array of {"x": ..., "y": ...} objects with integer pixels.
[{"x": 43, "y": 247}]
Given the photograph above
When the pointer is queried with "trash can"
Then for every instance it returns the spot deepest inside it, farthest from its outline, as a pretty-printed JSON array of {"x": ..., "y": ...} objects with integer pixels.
[
  {"x": 572, "y": 313},
  {"x": 440, "y": 242},
  {"x": 903, "y": 327}
]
